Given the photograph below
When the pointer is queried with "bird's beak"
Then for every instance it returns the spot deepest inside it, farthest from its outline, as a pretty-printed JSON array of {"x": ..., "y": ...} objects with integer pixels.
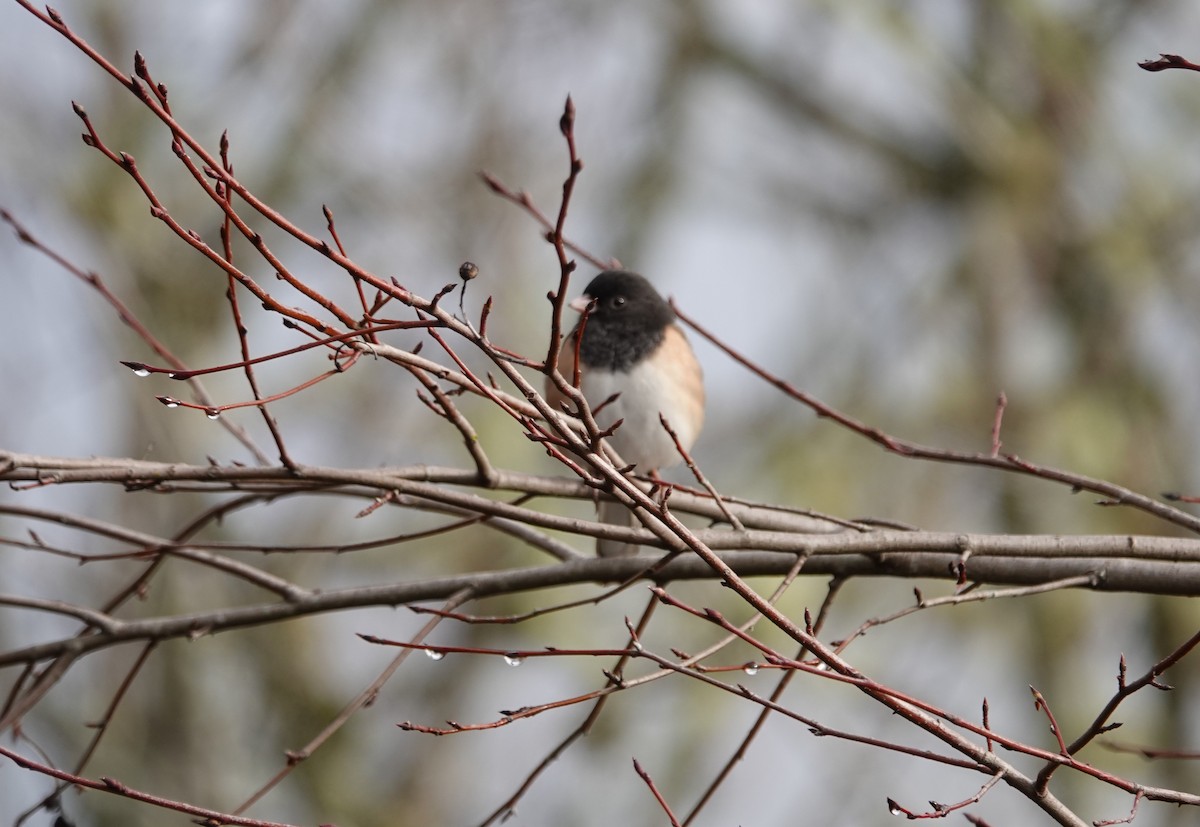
[{"x": 580, "y": 303}]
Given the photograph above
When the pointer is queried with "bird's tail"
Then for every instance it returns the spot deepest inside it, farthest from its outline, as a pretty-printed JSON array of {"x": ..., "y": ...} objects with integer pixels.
[{"x": 614, "y": 513}]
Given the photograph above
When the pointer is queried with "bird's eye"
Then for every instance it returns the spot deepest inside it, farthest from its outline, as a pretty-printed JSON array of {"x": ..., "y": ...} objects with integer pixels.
[{"x": 618, "y": 301}]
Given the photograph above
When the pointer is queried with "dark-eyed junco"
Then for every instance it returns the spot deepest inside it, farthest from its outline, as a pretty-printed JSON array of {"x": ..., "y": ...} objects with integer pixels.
[{"x": 632, "y": 346}]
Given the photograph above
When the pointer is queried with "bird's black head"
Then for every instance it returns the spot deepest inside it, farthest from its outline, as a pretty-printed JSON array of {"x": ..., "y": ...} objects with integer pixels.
[
  {"x": 627, "y": 299},
  {"x": 626, "y": 322}
]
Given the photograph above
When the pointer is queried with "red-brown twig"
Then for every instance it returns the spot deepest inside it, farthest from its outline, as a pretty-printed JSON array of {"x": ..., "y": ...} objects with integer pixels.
[
  {"x": 997, "y": 421},
  {"x": 143, "y": 369},
  {"x": 523, "y": 200},
  {"x": 235, "y": 309},
  {"x": 615, "y": 678},
  {"x": 115, "y": 787},
  {"x": 127, "y": 316},
  {"x": 1168, "y": 62},
  {"x": 363, "y": 699},
  {"x": 958, "y": 598},
  {"x": 784, "y": 681},
  {"x": 730, "y": 517},
  {"x": 1137, "y": 799},
  {"x": 662, "y": 802},
  {"x": 929, "y": 717},
  {"x": 566, "y": 266},
  {"x": 438, "y": 651},
  {"x": 445, "y": 408},
  {"x": 128, "y": 164},
  {"x": 1152, "y": 753},
  {"x": 1039, "y": 702},
  {"x": 101, "y": 726},
  {"x": 1125, "y": 688},
  {"x": 1116, "y": 494},
  {"x": 943, "y": 810},
  {"x": 215, "y": 411}
]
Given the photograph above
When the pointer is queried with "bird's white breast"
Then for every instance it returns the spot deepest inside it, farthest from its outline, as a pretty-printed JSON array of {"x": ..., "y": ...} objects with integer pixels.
[{"x": 645, "y": 391}]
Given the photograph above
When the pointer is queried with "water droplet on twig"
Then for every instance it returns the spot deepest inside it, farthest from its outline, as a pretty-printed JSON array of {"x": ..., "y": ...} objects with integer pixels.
[{"x": 138, "y": 369}]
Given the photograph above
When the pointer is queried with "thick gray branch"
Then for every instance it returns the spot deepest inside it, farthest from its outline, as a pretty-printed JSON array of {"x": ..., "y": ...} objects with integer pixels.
[{"x": 1108, "y": 574}]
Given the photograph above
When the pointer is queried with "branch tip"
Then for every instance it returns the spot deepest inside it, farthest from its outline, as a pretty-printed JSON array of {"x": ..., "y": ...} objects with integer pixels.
[{"x": 567, "y": 122}]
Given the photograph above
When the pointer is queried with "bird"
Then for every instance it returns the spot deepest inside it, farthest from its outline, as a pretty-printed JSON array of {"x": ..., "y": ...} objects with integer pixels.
[{"x": 633, "y": 348}]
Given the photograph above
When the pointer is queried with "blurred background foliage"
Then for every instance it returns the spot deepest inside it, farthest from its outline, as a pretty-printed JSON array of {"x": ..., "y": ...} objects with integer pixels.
[{"x": 903, "y": 208}]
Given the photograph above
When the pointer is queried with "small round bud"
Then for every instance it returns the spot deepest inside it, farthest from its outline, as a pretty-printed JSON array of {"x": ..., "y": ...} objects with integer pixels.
[{"x": 468, "y": 271}]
